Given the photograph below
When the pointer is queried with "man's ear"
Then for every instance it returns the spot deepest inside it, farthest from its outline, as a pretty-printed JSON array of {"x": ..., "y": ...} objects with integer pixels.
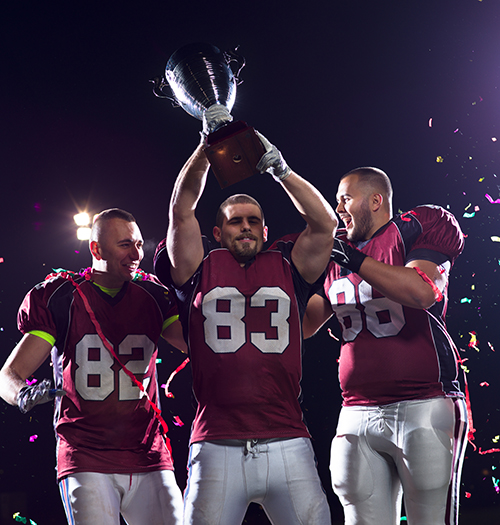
[
  {"x": 95, "y": 250},
  {"x": 377, "y": 201},
  {"x": 265, "y": 233},
  {"x": 216, "y": 233}
]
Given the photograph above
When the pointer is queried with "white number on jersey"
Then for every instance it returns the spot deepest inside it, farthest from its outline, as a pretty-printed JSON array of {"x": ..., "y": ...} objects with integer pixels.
[
  {"x": 231, "y": 319},
  {"x": 94, "y": 362},
  {"x": 382, "y": 317}
]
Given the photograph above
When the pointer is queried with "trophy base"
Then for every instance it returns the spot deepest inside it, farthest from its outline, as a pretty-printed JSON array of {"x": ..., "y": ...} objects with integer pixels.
[{"x": 233, "y": 152}]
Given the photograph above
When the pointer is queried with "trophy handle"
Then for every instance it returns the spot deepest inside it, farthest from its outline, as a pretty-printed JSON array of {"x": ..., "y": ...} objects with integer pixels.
[
  {"x": 233, "y": 56},
  {"x": 159, "y": 84}
]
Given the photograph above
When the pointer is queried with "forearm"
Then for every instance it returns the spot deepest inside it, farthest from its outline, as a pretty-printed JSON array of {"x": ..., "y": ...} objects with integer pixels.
[
  {"x": 184, "y": 245},
  {"x": 10, "y": 384},
  {"x": 309, "y": 202},
  {"x": 23, "y": 361},
  {"x": 189, "y": 185},
  {"x": 399, "y": 283}
]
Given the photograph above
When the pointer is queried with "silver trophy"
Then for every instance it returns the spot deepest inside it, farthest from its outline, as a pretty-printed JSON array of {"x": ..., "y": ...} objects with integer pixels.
[{"x": 199, "y": 76}]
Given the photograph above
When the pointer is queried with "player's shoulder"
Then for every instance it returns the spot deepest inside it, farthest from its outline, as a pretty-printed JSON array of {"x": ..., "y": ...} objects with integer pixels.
[
  {"x": 426, "y": 214},
  {"x": 284, "y": 246},
  {"x": 150, "y": 284},
  {"x": 441, "y": 231},
  {"x": 288, "y": 239},
  {"x": 57, "y": 279}
]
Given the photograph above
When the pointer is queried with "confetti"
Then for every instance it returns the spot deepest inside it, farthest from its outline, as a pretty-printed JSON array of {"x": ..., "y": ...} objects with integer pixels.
[
  {"x": 430, "y": 122},
  {"x": 496, "y": 484},
  {"x": 1, "y": 260},
  {"x": 484, "y": 383},
  {"x": 465, "y": 300},
  {"x": 490, "y": 345},
  {"x": 491, "y": 199},
  {"x": 330, "y": 333},
  {"x": 178, "y": 422},
  {"x": 439, "y": 159},
  {"x": 159, "y": 361},
  {"x": 17, "y": 516},
  {"x": 495, "y": 238},
  {"x": 473, "y": 343},
  {"x": 490, "y": 451},
  {"x": 496, "y": 439},
  {"x": 494, "y": 139},
  {"x": 172, "y": 375},
  {"x": 469, "y": 215},
  {"x": 468, "y": 494},
  {"x": 33, "y": 437}
]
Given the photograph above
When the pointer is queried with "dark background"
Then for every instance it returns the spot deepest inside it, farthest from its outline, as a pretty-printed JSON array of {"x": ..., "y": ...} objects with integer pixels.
[{"x": 334, "y": 85}]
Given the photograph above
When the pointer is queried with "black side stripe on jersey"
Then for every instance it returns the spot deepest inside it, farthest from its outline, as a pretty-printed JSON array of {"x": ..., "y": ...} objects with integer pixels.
[
  {"x": 59, "y": 305},
  {"x": 409, "y": 229}
]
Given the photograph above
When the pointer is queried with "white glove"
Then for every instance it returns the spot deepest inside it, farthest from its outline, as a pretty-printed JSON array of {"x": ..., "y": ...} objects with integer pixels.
[
  {"x": 36, "y": 394},
  {"x": 214, "y": 118},
  {"x": 272, "y": 161}
]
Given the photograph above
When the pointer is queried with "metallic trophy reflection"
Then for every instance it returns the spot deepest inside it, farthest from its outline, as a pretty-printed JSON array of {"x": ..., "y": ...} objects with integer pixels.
[{"x": 199, "y": 76}]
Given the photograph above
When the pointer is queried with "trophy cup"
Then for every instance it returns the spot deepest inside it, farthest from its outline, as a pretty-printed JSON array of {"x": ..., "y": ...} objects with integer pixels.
[{"x": 199, "y": 75}]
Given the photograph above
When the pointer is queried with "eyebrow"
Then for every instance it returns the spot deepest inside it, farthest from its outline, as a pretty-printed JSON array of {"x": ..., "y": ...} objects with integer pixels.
[
  {"x": 129, "y": 240},
  {"x": 338, "y": 196},
  {"x": 239, "y": 217}
]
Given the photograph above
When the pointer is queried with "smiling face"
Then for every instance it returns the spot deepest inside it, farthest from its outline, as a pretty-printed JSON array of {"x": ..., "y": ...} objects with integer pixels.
[
  {"x": 242, "y": 231},
  {"x": 355, "y": 203},
  {"x": 116, "y": 253}
]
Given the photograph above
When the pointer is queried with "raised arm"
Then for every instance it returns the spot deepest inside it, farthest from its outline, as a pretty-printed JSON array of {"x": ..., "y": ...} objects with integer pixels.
[
  {"x": 312, "y": 249},
  {"x": 184, "y": 245}
]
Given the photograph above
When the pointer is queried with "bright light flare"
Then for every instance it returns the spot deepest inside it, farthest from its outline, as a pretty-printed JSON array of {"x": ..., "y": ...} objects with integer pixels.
[
  {"x": 83, "y": 233},
  {"x": 82, "y": 219}
]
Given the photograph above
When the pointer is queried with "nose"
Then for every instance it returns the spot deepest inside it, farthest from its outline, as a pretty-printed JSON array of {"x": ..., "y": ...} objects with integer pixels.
[
  {"x": 340, "y": 208},
  {"x": 136, "y": 253},
  {"x": 245, "y": 225}
]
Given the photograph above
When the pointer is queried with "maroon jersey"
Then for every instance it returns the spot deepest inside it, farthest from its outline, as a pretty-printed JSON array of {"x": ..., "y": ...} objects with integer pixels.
[
  {"x": 243, "y": 328},
  {"x": 390, "y": 352},
  {"x": 103, "y": 423}
]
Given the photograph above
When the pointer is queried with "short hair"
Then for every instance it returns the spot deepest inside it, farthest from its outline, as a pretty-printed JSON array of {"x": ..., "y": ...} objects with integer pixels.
[
  {"x": 374, "y": 177},
  {"x": 239, "y": 198},
  {"x": 105, "y": 216}
]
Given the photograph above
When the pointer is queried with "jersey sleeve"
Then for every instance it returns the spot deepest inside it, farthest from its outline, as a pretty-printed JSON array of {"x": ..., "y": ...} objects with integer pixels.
[
  {"x": 161, "y": 261},
  {"x": 34, "y": 314},
  {"x": 441, "y": 234},
  {"x": 164, "y": 297}
]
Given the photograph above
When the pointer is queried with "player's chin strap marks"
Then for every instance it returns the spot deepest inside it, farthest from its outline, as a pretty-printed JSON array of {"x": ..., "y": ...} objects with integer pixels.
[
  {"x": 272, "y": 161},
  {"x": 437, "y": 293},
  {"x": 347, "y": 256},
  {"x": 32, "y": 395}
]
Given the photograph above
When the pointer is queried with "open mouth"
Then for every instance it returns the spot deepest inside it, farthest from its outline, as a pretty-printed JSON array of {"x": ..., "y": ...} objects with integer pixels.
[{"x": 347, "y": 220}]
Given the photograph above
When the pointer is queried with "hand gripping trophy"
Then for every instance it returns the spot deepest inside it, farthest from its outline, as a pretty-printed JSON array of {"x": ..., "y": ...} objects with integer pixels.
[{"x": 202, "y": 81}]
